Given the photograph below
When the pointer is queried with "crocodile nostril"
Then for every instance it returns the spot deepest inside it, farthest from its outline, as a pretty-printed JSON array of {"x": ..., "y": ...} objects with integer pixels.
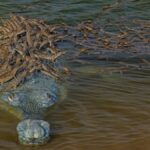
[{"x": 32, "y": 139}]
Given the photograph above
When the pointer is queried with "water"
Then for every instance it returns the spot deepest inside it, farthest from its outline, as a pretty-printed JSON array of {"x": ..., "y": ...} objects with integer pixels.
[{"x": 107, "y": 111}]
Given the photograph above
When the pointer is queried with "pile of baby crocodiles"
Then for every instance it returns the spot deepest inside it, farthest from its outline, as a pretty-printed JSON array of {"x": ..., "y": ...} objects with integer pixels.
[{"x": 28, "y": 45}]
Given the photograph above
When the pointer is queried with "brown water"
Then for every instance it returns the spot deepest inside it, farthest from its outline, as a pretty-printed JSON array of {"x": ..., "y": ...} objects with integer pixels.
[{"x": 102, "y": 111}]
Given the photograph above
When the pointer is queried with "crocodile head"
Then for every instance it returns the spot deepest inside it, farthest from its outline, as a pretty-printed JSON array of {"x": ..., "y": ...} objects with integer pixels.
[{"x": 30, "y": 101}]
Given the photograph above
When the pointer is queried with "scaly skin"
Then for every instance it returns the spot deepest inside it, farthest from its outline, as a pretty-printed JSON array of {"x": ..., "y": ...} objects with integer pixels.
[
  {"x": 33, "y": 132},
  {"x": 30, "y": 102}
]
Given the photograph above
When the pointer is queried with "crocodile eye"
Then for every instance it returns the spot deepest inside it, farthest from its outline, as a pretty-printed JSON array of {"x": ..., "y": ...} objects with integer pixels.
[
  {"x": 48, "y": 95},
  {"x": 11, "y": 97}
]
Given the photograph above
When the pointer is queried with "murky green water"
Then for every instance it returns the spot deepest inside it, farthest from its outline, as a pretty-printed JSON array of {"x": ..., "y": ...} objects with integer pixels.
[{"x": 102, "y": 110}]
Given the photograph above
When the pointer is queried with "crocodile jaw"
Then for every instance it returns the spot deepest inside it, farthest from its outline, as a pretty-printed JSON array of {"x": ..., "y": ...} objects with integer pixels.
[{"x": 33, "y": 132}]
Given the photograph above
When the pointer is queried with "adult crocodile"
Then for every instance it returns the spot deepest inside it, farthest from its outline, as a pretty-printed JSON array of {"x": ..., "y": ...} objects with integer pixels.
[
  {"x": 29, "y": 73},
  {"x": 29, "y": 102}
]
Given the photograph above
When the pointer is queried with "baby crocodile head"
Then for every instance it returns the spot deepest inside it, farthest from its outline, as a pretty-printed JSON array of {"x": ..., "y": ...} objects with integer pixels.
[{"x": 30, "y": 101}]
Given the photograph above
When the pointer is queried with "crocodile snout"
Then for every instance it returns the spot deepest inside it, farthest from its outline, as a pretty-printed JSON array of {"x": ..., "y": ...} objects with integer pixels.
[{"x": 33, "y": 132}]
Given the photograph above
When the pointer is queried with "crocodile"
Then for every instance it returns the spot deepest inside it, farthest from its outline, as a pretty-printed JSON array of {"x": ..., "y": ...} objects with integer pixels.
[
  {"x": 30, "y": 102},
  {"x": 31, "y": 66},
  {"x": 29, "y": 77}
]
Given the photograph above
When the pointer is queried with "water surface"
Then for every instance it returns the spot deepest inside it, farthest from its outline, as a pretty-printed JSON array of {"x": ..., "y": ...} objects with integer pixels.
[{"x": 103, "y": 110}]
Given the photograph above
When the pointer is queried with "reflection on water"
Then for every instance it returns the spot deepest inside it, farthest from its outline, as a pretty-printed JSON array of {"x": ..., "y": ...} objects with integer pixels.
[{"x": 102, "y": 110}]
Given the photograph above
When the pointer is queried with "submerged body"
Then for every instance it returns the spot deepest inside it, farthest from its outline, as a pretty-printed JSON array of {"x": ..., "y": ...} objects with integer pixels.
[{"x": 29, "y": 102}]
